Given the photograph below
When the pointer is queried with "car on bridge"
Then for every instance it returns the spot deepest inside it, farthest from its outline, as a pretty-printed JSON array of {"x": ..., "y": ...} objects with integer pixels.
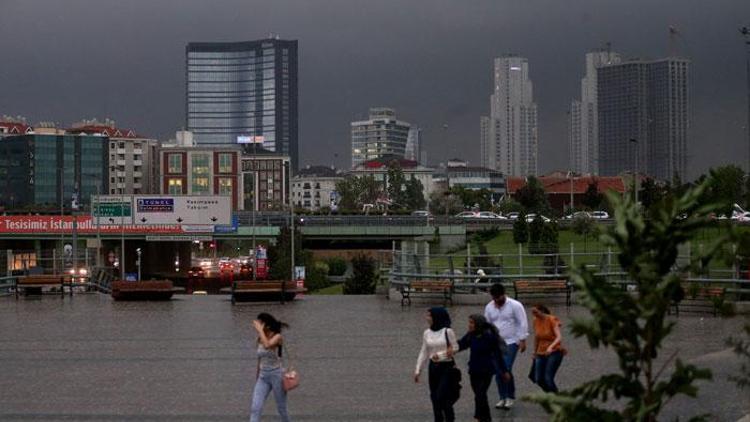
[
  {"x": 531, "y": 217},
  {"x": 490, "y": 215}
]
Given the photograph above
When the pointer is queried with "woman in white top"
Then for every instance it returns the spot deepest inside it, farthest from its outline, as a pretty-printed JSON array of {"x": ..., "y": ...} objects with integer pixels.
[{"x": 438, "y": 345}]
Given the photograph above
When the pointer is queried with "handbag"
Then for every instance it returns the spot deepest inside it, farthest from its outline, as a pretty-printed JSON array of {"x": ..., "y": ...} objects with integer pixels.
[
  {"x": 454, "y": 376},
  {"x": 289, "y": 377}
]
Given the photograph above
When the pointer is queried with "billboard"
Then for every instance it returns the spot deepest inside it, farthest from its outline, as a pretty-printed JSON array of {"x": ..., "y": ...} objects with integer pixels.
[
  {"x": 183, "y": 210},
  {"x": 48, "y": 224}
]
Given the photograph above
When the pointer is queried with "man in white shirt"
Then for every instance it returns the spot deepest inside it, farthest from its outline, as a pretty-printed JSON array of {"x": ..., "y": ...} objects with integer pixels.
[{"x": 509, "y": 316}]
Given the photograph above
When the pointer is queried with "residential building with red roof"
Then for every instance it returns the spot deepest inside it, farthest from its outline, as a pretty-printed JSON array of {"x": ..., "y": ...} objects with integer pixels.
[{"x": 558, "y": 187}]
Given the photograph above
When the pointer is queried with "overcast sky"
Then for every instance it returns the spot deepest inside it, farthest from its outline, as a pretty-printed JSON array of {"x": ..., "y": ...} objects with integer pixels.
[{"x": 65, "y": 60}]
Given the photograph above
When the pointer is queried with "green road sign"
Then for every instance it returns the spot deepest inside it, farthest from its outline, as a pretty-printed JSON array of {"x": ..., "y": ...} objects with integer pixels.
[{"x": 112, "y": 210}]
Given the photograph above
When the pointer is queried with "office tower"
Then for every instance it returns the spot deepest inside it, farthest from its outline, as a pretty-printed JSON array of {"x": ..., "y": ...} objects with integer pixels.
[
  {"x": 244, "y": 92},
  {"x": 512, "y": 146},
  {"x": 583, "y": 137},
  {"x": 644, "y": 117},
  {"x": 414, "y": 147},
  {"x": 379, "y": 136}
]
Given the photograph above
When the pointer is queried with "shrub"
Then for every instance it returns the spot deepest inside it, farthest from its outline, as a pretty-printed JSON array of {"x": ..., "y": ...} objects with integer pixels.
[
  {"x": 336, "y": 266},
  {"x": 317, "y": 276},
  {"x": 364, "y": 277},
  {"x": 520, "y": 229}
]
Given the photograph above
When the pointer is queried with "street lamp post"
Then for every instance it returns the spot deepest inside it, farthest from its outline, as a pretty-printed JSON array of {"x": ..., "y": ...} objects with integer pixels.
[
  {"x": 255, "y": 204},
  {"x": 635, "y": 171},
  {"x": 745, "y": 31}
]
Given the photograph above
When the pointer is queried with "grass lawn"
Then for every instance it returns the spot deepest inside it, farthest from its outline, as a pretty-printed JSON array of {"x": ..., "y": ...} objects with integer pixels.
[
  {"x": 335, "y": 289},
  {"x": 586, "y": 250}
]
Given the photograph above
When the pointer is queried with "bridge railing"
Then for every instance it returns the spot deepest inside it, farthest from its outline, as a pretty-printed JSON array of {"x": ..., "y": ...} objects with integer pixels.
[{"x": 472, "y": 271}]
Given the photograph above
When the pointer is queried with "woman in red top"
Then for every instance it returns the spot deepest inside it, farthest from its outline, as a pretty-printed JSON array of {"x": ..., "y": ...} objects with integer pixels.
[{"x": 548, "y": 350}]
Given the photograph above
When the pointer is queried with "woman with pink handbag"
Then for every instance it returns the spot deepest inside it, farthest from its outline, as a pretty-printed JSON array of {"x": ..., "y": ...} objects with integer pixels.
[{"x": 270, "y": 374}]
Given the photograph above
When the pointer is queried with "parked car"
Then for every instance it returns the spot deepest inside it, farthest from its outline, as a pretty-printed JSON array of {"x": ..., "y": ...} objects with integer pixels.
[
  {"x": 532, "y": 217},
  {"x": 600, "y": 215},
  {"x": 421, "y": 213},
  {"x": 577, "y": 214},
  {"x": 513, "y": 215},
  {"x": 467, "y": 214},
  {"x": 490, "y": 214}
]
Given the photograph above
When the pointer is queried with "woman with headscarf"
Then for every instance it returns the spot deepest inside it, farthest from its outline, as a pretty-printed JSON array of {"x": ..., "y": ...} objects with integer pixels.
[
  {"x": 485, "y": 358},
  {"x": 270, "y": 373},
  {"x": 438, "y": 345}
]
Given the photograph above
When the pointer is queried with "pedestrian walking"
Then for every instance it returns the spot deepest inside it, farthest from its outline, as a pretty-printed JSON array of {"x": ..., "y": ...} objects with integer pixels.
[
  {"x": 438, "y": 345},
  {"x": 548, "y": 349},
  {"x": 509, "y": 317},
  {"x": 485, "y": 356},
  {"x": 269, "y": 376}
]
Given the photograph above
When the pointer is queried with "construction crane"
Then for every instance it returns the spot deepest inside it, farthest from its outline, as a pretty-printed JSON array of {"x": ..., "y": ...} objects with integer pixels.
[{"x": 674, "y": 33}]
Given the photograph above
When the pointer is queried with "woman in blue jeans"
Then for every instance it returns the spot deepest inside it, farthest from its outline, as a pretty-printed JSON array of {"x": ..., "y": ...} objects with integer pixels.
[
  {"x": 270, "y": 373},
  {"x": 548, "y": 350}
]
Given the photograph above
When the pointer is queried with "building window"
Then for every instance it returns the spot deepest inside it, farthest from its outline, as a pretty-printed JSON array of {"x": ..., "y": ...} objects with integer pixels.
[
  {"x": 225, "y": 163},
  {"x": 175, "y": 187},
  {"x": 174, "y": 163},
  {"x": 200, "y": 173},
  {"x": 225, "y": 186}
]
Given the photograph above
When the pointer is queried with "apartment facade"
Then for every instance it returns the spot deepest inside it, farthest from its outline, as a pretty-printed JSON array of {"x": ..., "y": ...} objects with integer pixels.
[
  {"x": 314, "y": 187},
  {"x": 645, "y": 117},
  {"x": 511, "y": 146},
  {"x": 380, "y": 136}
]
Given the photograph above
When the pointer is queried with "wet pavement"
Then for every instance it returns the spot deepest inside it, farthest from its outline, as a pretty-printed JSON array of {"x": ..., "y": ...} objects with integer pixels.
[{"x": 191, "y": 359}]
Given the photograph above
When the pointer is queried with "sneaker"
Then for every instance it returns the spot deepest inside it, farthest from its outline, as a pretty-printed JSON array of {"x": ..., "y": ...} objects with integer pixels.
[
  {"x": 508, "y": 404},
  {"x": 500, "y": 404}
]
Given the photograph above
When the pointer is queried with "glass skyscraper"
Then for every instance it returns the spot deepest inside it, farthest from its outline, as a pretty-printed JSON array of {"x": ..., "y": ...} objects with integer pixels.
[{"x": 244, "y": 90}]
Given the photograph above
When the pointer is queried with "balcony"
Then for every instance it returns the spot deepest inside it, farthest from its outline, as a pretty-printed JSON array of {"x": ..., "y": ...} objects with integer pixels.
[
  {"x": 121, "y": 150},
  {"x": 137, "y": 162},
  {"x": 120, "y": 162}
]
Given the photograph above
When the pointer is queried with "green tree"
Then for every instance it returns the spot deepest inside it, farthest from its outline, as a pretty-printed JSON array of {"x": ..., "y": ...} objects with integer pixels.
[
  {"x": 535, "y": 235},
  {"x": 520, "y": 230},
  {"x": 364, "y": 277},
  {"x": 415, "y": 194},
  {"x": 445, "y": 203},
  {"x": 354, "y": 192},
  {"x": 650, "y": 193},
  {"x": 280, "y": 254},
  {"x": 396, "y": 185},
  {"x": 726, "y": 188},
  {"x": 634, "y": 325},
  {"x": 532, "y": 196},
  {"x": 549, "y": 238},
  {"x": 592, "y": 199},
  {"x": 583, "y": 225}
]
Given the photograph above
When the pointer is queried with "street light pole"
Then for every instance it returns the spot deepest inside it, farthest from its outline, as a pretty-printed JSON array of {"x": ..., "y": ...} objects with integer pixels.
[
  {"x": 255, "y": 199},
  {"x": 635, "y": 171},
  {"x": 745, "y": 31},
  {"x": 122, "y": 236}
]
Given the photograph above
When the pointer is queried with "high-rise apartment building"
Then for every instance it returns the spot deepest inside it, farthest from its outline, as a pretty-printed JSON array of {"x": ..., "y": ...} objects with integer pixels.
[
  {"x": 583, "y": 138},
  {"x": 512, "y": 143},
  {"x": 644, "y": 110},
  {"x": 381, "y": 135},
  {"x": 244, "y": 92},
  {"x": 484, "y": 140}
]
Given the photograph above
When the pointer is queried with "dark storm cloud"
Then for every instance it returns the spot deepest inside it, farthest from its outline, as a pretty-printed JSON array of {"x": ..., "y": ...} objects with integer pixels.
[{"x": 64, "y": 60}]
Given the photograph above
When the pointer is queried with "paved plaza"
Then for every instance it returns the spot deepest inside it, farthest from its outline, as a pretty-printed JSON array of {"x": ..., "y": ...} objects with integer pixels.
[{"x": 192, "y": 359}]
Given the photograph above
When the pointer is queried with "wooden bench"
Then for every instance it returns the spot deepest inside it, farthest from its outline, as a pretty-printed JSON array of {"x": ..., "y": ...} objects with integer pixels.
[
  {"x": 538, "y": 288},
  {"x": 700, "y": 299},
  {"x": 39, "y": 281},
  {"x": 142, "y": 290},
  {"x": 248, "y": 290},
  {"x": 430, "y": 288}
]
